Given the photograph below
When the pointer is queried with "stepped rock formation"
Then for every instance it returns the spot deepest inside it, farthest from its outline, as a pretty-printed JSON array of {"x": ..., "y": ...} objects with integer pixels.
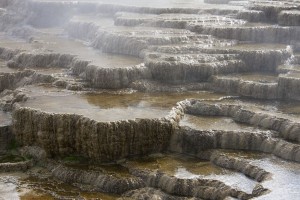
[
  {"x": 286, "y": 126},
  {"x": 129, "y": 99},
  {"x": 207, "y": 189},
  {"x": 62, "y": 135}
]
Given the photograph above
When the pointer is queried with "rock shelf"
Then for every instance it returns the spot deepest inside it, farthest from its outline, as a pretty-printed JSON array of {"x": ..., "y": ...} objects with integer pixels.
[{"x": 130, "y": 99}]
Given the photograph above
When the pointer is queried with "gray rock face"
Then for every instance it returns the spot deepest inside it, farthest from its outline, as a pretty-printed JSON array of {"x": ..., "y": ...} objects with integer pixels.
[
  {"x": 289, "y": 18},
  {"x": 11, "y": 80},
  {"x": 272, "y": 9},
  {"x": 289, "y": 86},
  {"x": 255, "y": 89},
  {"x": 252, "y": 15},
  {"x": 99, "y": 181},
  {"x": 72, "y": 134},
  {"x": 199, "y": 188},
  {"x": 195, "y": 142},
  {"x": 243, "y": 166},
  {"x": 264, "y": 34},
  {"x": 220, "y": 27},
  {"x": 201, "y": 47},
  {"x": 98, "y": 77},
  {"x": 181, "y": 72},
  {"x": 114, "y": 78},
  {"x": 5, "y": 137},
  {"x": 285, "y": 126},
  {"x": 28, "y": 60}
]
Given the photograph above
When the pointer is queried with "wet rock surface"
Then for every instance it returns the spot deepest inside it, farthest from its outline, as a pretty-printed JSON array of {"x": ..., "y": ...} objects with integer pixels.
[{"x": 130, "y": 99}]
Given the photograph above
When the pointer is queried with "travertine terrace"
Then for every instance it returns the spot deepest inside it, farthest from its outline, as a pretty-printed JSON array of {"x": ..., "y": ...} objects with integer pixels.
[{"x": 139, "y": 99}]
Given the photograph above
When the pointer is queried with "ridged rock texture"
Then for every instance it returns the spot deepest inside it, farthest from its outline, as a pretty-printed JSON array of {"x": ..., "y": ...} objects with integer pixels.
[
  {"x": 5, "y": 137},
  {"x": 65, "y": 134},
  {"x": 193, "y": 142},
  {"x": 214, "y": 48},
  {"x": 201, "y": 188}
]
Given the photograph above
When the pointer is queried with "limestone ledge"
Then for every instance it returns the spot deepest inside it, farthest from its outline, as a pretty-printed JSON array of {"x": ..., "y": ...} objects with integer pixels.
[
  {"x": 181, "y": 72},
  {"x": 111, "y": 78},
  {"x": 68, "y": 134},
  {"x": 179, "y": 21},
  {"x": 288, "y": 86},
  {"x": 15, "y": 167},
  {"x": 255, "y": 60},
  {"x": 194, "y": 142},
  {"x": 114, "y": 8},
  {"x": 96, "y": 180},
  {"x": 40, "y": 60},
  {"x": 173, "y": 71},
  {"x": 199, "y": 188},
  {"x": 241, "y": 165},
  {"x": 178, "y": 71},
  {"x": 254, "y": 89},
  {"x": 287, "y": 127},
  {"x": 126, "y": 42},
  {"x": 252, "y": 15},
  {"x": 284, "y": 86},
  {"x": 97, "y": 77},
  {"x": 272, "y": 10},
  {"x": 228, "y": 28},
  {"x": 121, "y": 77},
  {"x": 10, "y": 80},
  {"x": 263, "y": 34},
  {"x": 289, "y": 18},
  {"x": 141, "y": 182}
]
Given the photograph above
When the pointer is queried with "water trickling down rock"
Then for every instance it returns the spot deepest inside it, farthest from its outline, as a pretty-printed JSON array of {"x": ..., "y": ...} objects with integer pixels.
[{"x": 130, "y": 99}]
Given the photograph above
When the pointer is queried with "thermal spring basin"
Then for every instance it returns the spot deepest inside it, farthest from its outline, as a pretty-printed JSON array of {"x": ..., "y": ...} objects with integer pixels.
[
  {"x": 257, "y": 77},
  {"x": 54, "y": 41},
  {"x": 21, "y": 186},
  {"x": 257, "y": 46},
  {"x": 65, "y": 45},
  {"x": 191, "y": 168},
  {"x": 175, "y": 165},
  {"x": 284, "y": 182},
  {"x": 215, "y": 123},
  {"x": 115, "y": 170},
  {"x": 105, "y": 23},
  {"x": 285, "y": 109},
  {"x": 107, "y": 106}
]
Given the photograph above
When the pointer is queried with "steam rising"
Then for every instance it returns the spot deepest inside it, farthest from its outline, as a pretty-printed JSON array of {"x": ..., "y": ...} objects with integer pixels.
[{"x": 95, "y": 92}]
